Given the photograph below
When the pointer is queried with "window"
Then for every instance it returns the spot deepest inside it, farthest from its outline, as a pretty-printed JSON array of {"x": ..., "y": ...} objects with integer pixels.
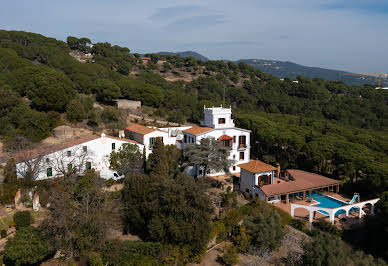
[
  {"x": 49, "y": 172},
  {"x": 242, "y": 156},
  {"x": 152, "y": 142},
  {"x": 221, "y": 120},
  {"x": 234, "y": 139},
  {"x": 242, "y": 140},
  {"x": 88, "y": 165},
  {"x": 234, "y": 168},
  {"x": 47, "y": 160},
  {"x": 85, "y": 148},
  {"x": 185, "y": 138},
  {"x": 68, "y": 153},
  {"x": 113, "y": 146},
  {"x": 234, "y": 156},
  {"x": 69, "y": 167},
  {"x": 227, "y": 143}
]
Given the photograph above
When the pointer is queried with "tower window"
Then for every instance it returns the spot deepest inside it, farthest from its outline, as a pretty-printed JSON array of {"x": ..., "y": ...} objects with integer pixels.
[
  {"x": 113, "y": 146},
  {"x": 242, "y": 156},
  {"x": 221, "y": 120},
  {"x": 85, "y": 148},
  {"x": 68, "y": 153}
]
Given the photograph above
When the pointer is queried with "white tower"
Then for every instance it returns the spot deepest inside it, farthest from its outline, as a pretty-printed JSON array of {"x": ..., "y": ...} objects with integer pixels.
[{"x": 217, "y": 117}]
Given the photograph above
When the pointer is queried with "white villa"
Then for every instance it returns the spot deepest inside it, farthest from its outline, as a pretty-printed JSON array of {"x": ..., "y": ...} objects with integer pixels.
[
  {"x": 91, "y": 152},
  {"x": 218, "y": 124}
]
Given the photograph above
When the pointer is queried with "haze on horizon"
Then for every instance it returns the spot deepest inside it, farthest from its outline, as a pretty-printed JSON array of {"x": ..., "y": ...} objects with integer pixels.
[{"x": 336, "y": 34}]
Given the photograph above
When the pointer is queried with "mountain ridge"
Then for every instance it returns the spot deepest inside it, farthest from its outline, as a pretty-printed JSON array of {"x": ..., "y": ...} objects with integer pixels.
[{"x": 283, "y": 69}]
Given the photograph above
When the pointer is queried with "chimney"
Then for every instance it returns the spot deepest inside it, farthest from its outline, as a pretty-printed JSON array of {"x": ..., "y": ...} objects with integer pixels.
[{"x": 278, "y": 170}]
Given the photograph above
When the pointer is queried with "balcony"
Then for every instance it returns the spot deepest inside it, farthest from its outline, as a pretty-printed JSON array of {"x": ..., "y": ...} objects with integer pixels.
[{"x": 241, "y": 146}]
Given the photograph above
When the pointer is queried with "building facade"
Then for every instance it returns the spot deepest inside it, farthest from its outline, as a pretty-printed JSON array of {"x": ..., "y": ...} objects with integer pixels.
[
  {"x": 218, "y": 124},
  {"x": 146, "y": 136},
  {"x": 76, "y": 156}
]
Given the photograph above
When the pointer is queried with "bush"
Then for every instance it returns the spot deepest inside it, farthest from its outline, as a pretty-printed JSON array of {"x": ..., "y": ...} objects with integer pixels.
[
  {"x": 109, "y": 182},
  {"x": 94, "y": 259},
  {"x": 22, "y": 219},
  {"x": 127, "y": 252},
  {"x": 219, "y": 231},
  {"x": 3, "y": 233},
  {"x": 298, "y": 224},
  {"x": 327, "y": 227},
  {"x": 8, "y": 192},
  {"x": 230, "y": 256},
  {"x": 27, "y": 247}
]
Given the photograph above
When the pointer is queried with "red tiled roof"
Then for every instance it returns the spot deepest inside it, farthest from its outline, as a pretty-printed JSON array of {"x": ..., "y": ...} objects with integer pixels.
[
  {"x": 256, "y": 166},
  {"x": 225, "y": 137},
  {"x": 139, "y": 129},
  {"x": 123, "y": 139},
  {"x": 302, "y": 181},
  {"x": 197, "y": 130}
]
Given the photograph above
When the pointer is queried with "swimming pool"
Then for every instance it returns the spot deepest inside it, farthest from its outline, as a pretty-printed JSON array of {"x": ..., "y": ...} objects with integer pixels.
[{"x": 328, "y": 202}]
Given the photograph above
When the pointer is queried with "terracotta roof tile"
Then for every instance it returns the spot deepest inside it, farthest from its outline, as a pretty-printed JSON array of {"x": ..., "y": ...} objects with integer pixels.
[
  {"x": 197, "y": 130},
  {"x": 256, "y": 166},
  {"x": 139, "y": 129},
  {"x": 302, "y": 181},
  {"x": 123, "y": 139},
  {"x": 225, "y": 137}
]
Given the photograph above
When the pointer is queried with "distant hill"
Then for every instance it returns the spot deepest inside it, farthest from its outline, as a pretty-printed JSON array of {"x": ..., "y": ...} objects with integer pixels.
[
  {"x": 187, "y": 54},
  {"x": 283, "y": 69}
]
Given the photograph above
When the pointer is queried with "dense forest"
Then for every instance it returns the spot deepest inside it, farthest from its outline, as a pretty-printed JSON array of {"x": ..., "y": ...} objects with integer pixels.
[{"x": 322, "y": 126}]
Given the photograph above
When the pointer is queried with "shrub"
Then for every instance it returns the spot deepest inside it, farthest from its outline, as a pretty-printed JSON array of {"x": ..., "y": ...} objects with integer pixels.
[
  {"x": 110, "y": 114},
  {"x": 127, "y": 252},
  {"x": 109, "y": 182},
  {"x": 230, "y": 256},
  {"x": 94, "y": 259},
  {"x": 327, "y": 227},
  {"x": 219, "y": 231},
  {"x": 298, "y": 224},
  {"x": 22, "y": 219},
  {"x": 27, "y": 247},
  {"x": 8, "y": 192},
  {"x": 3, "y": 233}
]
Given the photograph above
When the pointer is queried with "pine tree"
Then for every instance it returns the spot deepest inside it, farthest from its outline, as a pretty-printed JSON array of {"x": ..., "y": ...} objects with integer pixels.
[
  {"x": 10, "y": 172},
  {"x": 210, "y": 154},
  {"x": 158, "y": 160}
]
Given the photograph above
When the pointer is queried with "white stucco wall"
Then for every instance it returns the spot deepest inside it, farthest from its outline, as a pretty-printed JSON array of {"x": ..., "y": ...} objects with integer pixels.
[
  {"x": 234, "y": 152},
  {"x": 175, "y": 134},
  {"x": 98, "y": 152},
  {"x": 154, "y": 134},
  {"x": 250, "y": 180},
  {"x": 211, "y": 116}
]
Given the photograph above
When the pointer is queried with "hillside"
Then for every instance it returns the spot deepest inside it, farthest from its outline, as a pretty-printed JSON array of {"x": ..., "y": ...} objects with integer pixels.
[
  {"x": 283, "y": 69},
  {"x": 322, "y": 126},
  {"x": 187, "y": 54},
  {"x": 46, "y": 85}
]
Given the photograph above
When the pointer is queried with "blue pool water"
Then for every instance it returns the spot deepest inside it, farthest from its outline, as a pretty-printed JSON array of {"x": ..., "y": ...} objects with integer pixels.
[{"x": 328, "y": 202}]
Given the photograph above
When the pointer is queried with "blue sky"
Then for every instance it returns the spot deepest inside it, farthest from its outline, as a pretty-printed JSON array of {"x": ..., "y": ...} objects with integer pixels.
[{"x": 341, "y": 34}]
